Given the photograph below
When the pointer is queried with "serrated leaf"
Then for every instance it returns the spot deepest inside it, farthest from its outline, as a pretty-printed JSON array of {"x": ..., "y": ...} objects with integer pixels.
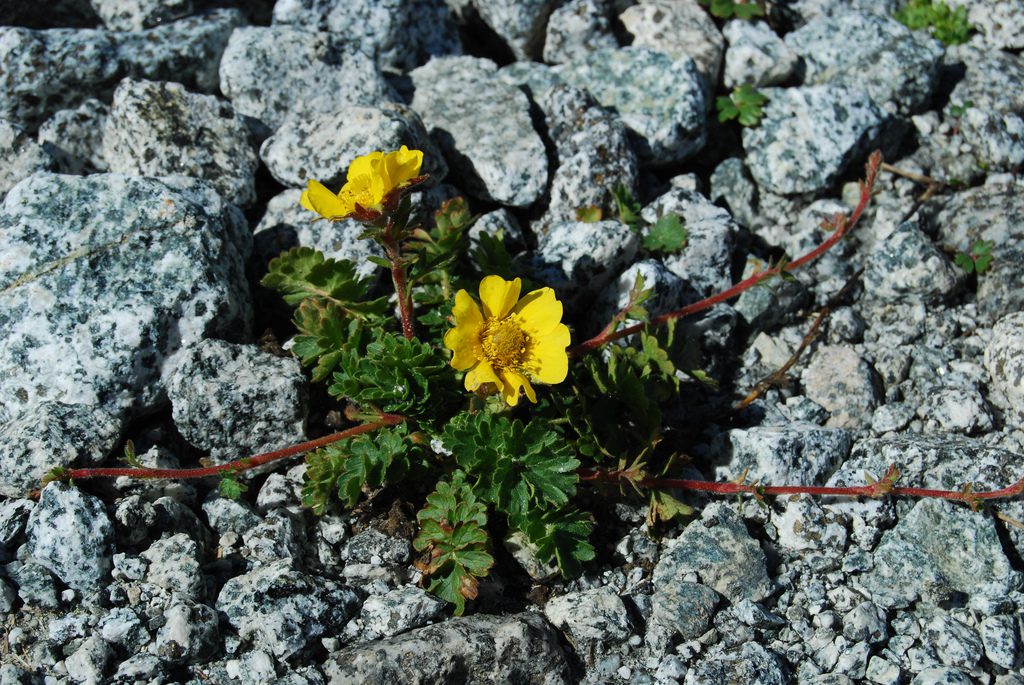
[
  {"x": 964, "y": 261},
  {"x": 325, "y": 332},
  {"x": 560, "y": 535},
  {"x": 492, "y": 257},
  {"x": 663, "y": 508},
  {"x": 627, "y": 206},
  {"x": 303, "y": 272},
  {"x": 230, "y": 487},
  {"x": 666, "y": 235}
]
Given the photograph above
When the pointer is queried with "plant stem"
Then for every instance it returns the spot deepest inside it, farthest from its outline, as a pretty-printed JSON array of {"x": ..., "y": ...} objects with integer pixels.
[
  {"x": 239, "y": 464},
  {"x": 841, "y": 224},
  {"x": 401, "y": 289}
]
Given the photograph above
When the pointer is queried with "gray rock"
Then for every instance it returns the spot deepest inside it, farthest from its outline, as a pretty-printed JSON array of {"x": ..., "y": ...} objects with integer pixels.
[
  {"x": 679, "y": 608},
  {"x": 70, "y": 534},
  {"x": 1001, "y": 638},
  {"x": 279, "y": 536},
  {"x": 1000, "y": 22},
  {"x": 803, "y": 525},
  {"x": 705, "y": 264},
  {"x": 956, "y": 643},
  {"x": 996, "y": 139},
  {"x": 1004, "y": 361},
  {"x": 808, "y": 136},
  {"x": 521, "y": 648},
  {"x": 160, "y": 129},
  {"x": 135, "y": 15},
  {"x": 992, "y": 79},
  {"x": 897, "y": 67},
  {"x": 750, "y": 663},
  {"x": 36, "y": 586},
  {"x": 286, "y": 224},
  {"x": 661, "y": 100},
  {"x": 227, "y": 515},
  {"x": 937, "y": 675},
  {"x": 891, "y": 417},
  {"x": 174, "y": 566},
  {"x": 139, "y": 668},
  {"x": 87, "y": 663},
  {"x": 908, "y": 265},
  {"x": 68, "y": 627},
  {"x": 527, "y": 555},
  {"x": 593, "y": 151},
  {"x": 838, "y": 379},
  {"x": 158, "y": 267},
  {"x": 669, "y": 292},
  {"x": 55, "y": 435},
  {"x": 731, "y": 183},
  {"x": 865, "y": 622},
  {"x": 374, "y": 547},
  {"x": 74, "y": 137},
  {"x": 883, "y": 671},
  {"x": 190, "y": 632},
  {"x": 282, "y": 610},
  {"x": 13, "y": 517},
  {"x": 20, "y": 156},
  {"x": 956, "y": 410},
  {"x": 577, "y": 259},
  {"x": 797, "y": 453},
  {"x": 678, "y": 29},
  {"x": 282, "y": 490},
  {"x": 721, "y": 552},
  {"x": 122, "y": 626},
  {"x": 576, "y": 28},
  {"x": 756, "y": 55},
  {"x": 321, "y": 146},
  {"x": 483, "y": 127},
  {"x": 520, "y": 23},
  {"x": 398, "y": 611},
  {"x": 269, "y": 72},
  {"x": 235, "y": 400},
  {"x": 590, "y": 617},
  {"x": 395, "y": 34}
]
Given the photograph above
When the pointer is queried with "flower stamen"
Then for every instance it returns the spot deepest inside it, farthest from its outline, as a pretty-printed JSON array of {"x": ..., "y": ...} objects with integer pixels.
[{"x": 505, "y": 343}]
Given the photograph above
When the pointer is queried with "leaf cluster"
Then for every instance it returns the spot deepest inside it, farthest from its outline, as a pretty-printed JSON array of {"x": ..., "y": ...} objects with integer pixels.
[
  {"x": 667, "y": 234},
  {"x": 946, "y": 24},
  {"x": 727, "y": 9},
  {"x": 978, "y": 259},
  {"x": 743, "y": 104}
]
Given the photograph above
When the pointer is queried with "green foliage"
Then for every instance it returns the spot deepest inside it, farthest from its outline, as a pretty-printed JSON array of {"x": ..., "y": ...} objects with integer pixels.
[
  {"x": 230, "y": 487},
  {"x": 978, "y": 259},
  {"x": 627, "y": 206},
  {"x": 589, "y": 215},
  {"x": 559, "y": 534},
  {"x": 303, "y": 273},
  {"x": 491, "y": 256},
  {"x": 958, "y": 110},
  {"x": 743, "y": 104},
  {"x": 667, "y": 235},
  {"x": 431, "y": 253},
  {"x": 325, "y": 334},
  {"x": 452, "y": 530},
  {"x": 130, "y": 457},
  {"x": 727, "y": 9},
  {"x": 949, "y": 25}
]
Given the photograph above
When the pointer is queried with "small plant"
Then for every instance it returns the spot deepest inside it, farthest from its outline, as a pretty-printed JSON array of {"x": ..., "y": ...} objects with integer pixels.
[
  {"x": 666, "y": 235},
  {"x": 741, "y": 9},
  {"x": 743, "y": 104},
  {"x": 948, "y": 25},
  {"x": 978, "y": 259}
]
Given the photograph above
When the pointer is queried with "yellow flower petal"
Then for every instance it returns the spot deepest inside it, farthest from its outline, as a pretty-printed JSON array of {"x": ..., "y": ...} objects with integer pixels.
[
  {"x": 367, "y": 165},
  {"x": 402, "y": 165},
  {"x": 317, "y": 198},
  {"x": 480, "y": 374},
  {"x": 539, "y": 312},
  {"x": 464, "y": 339},
  {"x": 512, "y": 381},
  {"x": 499, "y": 296},
  {"x": 548, "y": 361}
]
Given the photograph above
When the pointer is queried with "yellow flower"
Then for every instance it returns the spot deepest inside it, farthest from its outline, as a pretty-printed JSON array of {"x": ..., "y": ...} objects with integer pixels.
[
  {"x": 371, "y": 187},
  {"x": 511, "y": 341}
]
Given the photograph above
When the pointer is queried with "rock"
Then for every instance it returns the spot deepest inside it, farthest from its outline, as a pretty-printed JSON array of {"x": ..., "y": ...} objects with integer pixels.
[
  {"x": 174, "y": 566},
  {"x": 756, "y": 55},
  {"x": 748, "y": 664},
  {"x": 394, "y": 34},
  {"x": 804, "y": 526},
  {"x": 56, "y": 435},
  {"x": 882, "y": 671},
  {"x": 20, "y": 156},
  {"x": 278, "y": 537},
  {"x": 521, "y": 648},
  {"x": 527, "y": 556},
  {"x": 838, "y": 379},
  {"x": 135, "y": 15},
  {"x": 808, "y": 137},
  {"x": 322, "y": 145},
  {"x": 372, "y": 546},
  {"x": 13, "y": 517},
  {"x": 908, "y": 265},
  {"x": 794, "y": 454},
  {"x": 87, "y": 663},
  {"x": 520, "y": 23},
  {"x": 70, "y": 534},
  {"x": 679, "y": 608},
  {"x": 144, "y": 258},
  {"x": 898, "y": 68},
  {"x": 865, "y": 622},
  {"x": 721, "y": 552},
  {"x": 227, "y": 515},
  {"x": 891, "y": 417},
  {"x": 996, "y": 139},
  {"x": 937, "y": 675},
  {"x": 679, "y": 29},
  {"x": 269, "y": 72},
  {"x": 992, "y": 79},
  {"x": 590, "y": 617},
  {"x": 123, "y": 627},
  {"x": 282, "y": 609},
  {"x": 36, "y": 587},
  {"x": 955, "y": 643},
  {"x": 398, "y": 611},
  {"x": 483, "y": 127},
  {"x": 236, "y": 400},
  {"x": 1004, "y": 361},
  {"x": 732, "y": 185},
  {"x": 1001, "y": 638},
  {"x": 139, "y": 668},
  {"x": 160, "y": 129},
  {"x": 74, "y": 137},
  {"x": 1000, "y": 23},
  {"x": 956, "y": 410},
  {"x": 190, "y": 632},
  {"x": 662, "y": 101},
  {"x": 286, "y": 224},
  {"x": 576, "y": 28},
  {"x": 669, "y": 292},
  {"x": 498, "y": 221},
  {"x": 593, "y": 151}
]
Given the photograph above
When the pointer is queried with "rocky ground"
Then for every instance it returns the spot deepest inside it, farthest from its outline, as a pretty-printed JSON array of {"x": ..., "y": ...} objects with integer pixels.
[{"x": 152, "y": 158}]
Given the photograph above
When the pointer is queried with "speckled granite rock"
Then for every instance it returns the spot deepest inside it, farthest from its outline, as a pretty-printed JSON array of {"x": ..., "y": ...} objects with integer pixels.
[
  {"x": 135, "y": 15},
  {"x": 269, "y": 72},
  {"x": 161, "y": 129},
  {"x": 661, "y": 100},
  {"x": 70, "y": 534},
  {"x": 394, "y": 33},
  {"x": 281, "y": 609},
  {"x": 803, "y": 526},
  {"x": 233, "y": 400},
  {"x": 398, "y": 611},
  {"x": 747, "y": 664},
  {"x": 520, "y": 23},
  {"x": 756, "y": 55},
  {"x": 56, "y": 435},
  {"x": 1000, "y": 22},
  {"x": 908, "y": 265},
  {"x": 589, "y": 617},
  {"x": 677, "y": 28},
  {"x": 577, "y": 258},
  {"x": 1004, "y": 361},
  {"x": 129, "y": 270},
  {"x": 20, "y": 156},
  {"x": 483, "y": 127},
  {"x": 576, "y": 28},
  {"x": 520, "y": 648},
  {"x": 808, "y": 136},
  {"x": 798, "y": 454},
  {"x": 877, "y": 54},
  {"x": 190, "y": 632},
  {"x": 839, "y": 379},
  {"x": 679, "y": 608},
  {"x": 174, "y": 566},
  {"x": 321, "y": 146},
  {"x": 75, "y": 137},
  {"x": 669, "y": 291},
  {"x": 732, "y": 185}
]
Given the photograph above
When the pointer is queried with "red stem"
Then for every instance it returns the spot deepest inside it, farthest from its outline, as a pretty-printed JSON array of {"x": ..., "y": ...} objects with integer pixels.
[
  {"x": 239, "y": 464},
  {"x": 401, "y": 288},
  {"x": 843, "y": 225}
]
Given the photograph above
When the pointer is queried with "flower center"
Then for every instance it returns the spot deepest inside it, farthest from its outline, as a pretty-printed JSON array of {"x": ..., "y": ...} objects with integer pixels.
[{"x": 505, "y": 343}]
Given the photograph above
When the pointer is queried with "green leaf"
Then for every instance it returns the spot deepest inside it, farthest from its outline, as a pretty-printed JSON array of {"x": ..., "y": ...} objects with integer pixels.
[
  {"x": 727, "y": 9},
  {"x": 560, "y": 535},
  {"x": 946, "y": 24},
  {"x": 492, "y": 257},
  {"x": 667, "y": 235},
  {"x": 663, "y": 508},
  {"x": 452, "y": 529},
  {"x": 964, "y": 261},
  {"x": 627, "y": 206},
  {"x": 589, "y": 215},
  {"x": 230, "y": 487},
  {"x": 325, "y": 333},
  {"x": 743, "y": 104},
  {"x": 302, "y": 273}
]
